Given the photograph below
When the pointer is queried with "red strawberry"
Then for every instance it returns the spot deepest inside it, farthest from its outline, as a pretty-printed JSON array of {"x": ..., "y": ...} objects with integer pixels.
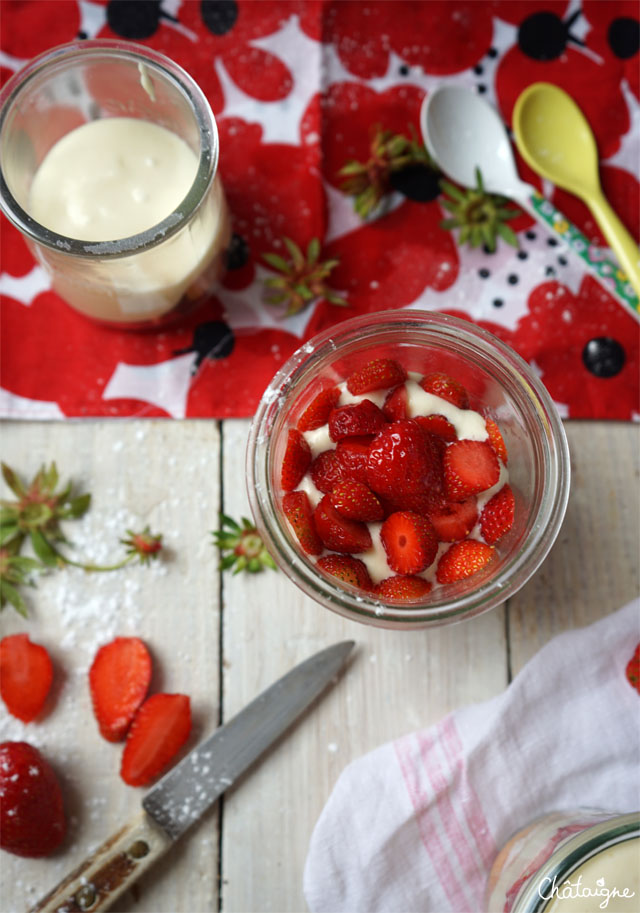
[
  {"x": 633, "y": 670},
  {"x": 355, "y": 419},
  {"x": 376, "y": 375},
  {"x": 395, "y": 404},
  {"x": 402, "y": 588},
  {"x": 439, "y": 425},
  {"x": 32, "y": 821},
  {"x": 119, "y": 679},
  {"x": 409, "y": 541},
  {"x": 347, "y": 569},
  {"x": 497, "y": 515},
  {"x": 469, "y": 468},
  {"x": 405, "y": 465},
  {"x": 158, "y": 732},
  {"x": 297, "y": 458},
  {"x": 297, "y": 509},
  {"x": 496, "y": 440},
  {"x": 317, "y": 412},
  {"x": 454, "y": 520},
  {"x": 26, "y": 674},
  {"x": 354, "y": 453},
  {"x": 339, "y": 533},
  {"x": 326, "y": 470},
  {"x": 357, "y": 502},
  {"x": 463, "y": 559},
  {"x": 446, "y": 388}
]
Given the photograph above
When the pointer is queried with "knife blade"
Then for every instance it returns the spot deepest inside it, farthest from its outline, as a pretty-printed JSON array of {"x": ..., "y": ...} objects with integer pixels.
[{"x": 185, "y": 793}]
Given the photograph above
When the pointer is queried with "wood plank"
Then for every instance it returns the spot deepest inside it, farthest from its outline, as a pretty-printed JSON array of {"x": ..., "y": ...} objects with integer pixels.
[
  {"x": 164, "y": 474},
  {"x": 397, "y": 682},
  {"x": 593, "y": 567}
]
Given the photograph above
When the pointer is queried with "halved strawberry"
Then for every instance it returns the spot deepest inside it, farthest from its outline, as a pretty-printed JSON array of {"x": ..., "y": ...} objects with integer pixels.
[
  {"x": 357, "y": 502},
  {"x": 297, "y": 458},
  {"x": 376, "y": 375},
  {"x": 158, "y": 732},
  {"x": 355, "y": 419},
  {"x": 298, "y": 511},
  {"x": 346, "y": 569},
  {"x": 496, "y": 440},
  {"x": 317, "y": 412},
  {"x": 409, "y": 541},
  {"x": 462, "y": 559},
  {"x": 119, "y": 679},
  {"x": 469, "y": 468},
  {"x": 497, "y": 515},
  {"x": 326, "y": 470},
  {"x": 353, "y": 453},
  {"x": 439, "y": 425},
  {"x": 26, "y": 674},
  {"x": 454, "y": 520},
  {"x": 446, "y": 388},
  {"x": 402, "y": 588},
  {"x": 395, "y": 404},
  {"x": 405, "y": 465},
  {"x": 339, "y": 533}
]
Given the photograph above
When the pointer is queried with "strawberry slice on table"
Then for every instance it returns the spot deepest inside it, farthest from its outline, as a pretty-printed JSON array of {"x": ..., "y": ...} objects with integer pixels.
[
  {"x": 402, "y": 588},
  {"x": 317, "y": 412},
  {"x": 404, "y": 465},
  {"x": 469, "y": 468},
  {"x": 376, "y": 375},
  {"x": 409, "y": 541},
  {"x": 339, "y": 533},
  {"x": 438, "y": 425},
  {"x": 496, "y": 440},
  {"x": 446, "y": 388},
  {"x": 346, "y": 569},
  {"x": 158, "y": 732},
  {"x": 298, "y": 511},
  {"x": 395, "y": 406},
  {"x": 454, "y": 520},
  {"x": 357, "y": 502},
  {"x": 632, "y": 670},
  {"x": 497, "y": 515},
  {"x": 355, "y": 420},
  {"x": 26, "y": 673},
  {"x": 119, "y": 679},
  {"x": 326, "y": 470},
  {"x": 297, "y": 457},
  {"x": 463, "y": 559},
  {"x": 32, "y": 820},
  {"x": 353, "y": 453}
]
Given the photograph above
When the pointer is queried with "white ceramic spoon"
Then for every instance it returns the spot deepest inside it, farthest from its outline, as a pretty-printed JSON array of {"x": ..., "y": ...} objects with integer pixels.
[{"x": 463, "y": 132}]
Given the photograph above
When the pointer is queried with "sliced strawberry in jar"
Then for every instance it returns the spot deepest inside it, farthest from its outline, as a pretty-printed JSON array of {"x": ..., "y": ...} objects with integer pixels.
[
  {"x": 409, "y": 541},
  {"x": 438, "y": 425},
  {"x": 339, "y": 533},
  {"x": 496, "y": 440},
  {"x": 298, "y": 511},
  {"x": 402, "y": 588},
  {"x": 497, "y": 515},
  {"x": 353, "y": 453},
  {"x": 463, "y": 559},
  {"x": 446, "y": 387},
  {"x": 297, "y": 457},
  {"x": 376, "y": 375},
  {"x": 347, "y": 569},
  {"x": 395, "y": 406},
  {"x": 357, "y": 502},
  {"x": 454, "y": 520},
  {"x": 317, "y": 412},
  {"x": 469, "y": 468},
  {"x": 326, "y": 470},
  {"x": 355, "y": 419},
  {"x": 405, "y": 465}
]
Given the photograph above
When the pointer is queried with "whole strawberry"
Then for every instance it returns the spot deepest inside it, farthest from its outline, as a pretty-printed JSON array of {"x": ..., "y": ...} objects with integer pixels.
[{"x": 32, "y": 821}]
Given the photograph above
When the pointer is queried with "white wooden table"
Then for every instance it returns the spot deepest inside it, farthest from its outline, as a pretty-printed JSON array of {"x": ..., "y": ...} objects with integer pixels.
[{"x": 222, "y": 639}]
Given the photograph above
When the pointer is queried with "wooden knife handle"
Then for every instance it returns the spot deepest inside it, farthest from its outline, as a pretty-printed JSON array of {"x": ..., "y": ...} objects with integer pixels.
[{"x": 108, "y": 872}]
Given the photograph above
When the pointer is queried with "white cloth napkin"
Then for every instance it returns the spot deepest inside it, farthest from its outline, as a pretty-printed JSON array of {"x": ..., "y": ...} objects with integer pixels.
[{"x": 416, "y": 824}]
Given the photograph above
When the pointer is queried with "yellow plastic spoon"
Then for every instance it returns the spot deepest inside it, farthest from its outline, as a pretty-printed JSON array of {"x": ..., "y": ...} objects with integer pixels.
[{"x": 555, "y": 139}]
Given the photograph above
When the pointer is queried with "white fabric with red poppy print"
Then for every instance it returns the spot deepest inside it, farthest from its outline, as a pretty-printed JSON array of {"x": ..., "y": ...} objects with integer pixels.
[{"x": 298, "y": 87}]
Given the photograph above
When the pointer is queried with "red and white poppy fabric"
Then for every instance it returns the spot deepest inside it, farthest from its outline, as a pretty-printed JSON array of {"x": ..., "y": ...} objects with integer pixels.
[{"x": 297, "y": 86}]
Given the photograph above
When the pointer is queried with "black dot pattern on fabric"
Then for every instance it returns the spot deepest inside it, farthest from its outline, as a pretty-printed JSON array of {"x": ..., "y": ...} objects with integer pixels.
[
  {"x": 542, "y": 36},
  {"x": 237, "y": 253},
  {"x": 417, "y": 182},
  {"x": 623, "y": 36},
  {"x": 219, "y": 16},
  {"x": 213, "y": 339},
  {"x": 498, "y": 302},
  {"x": 133, "y": 19},
  {"x": 603, "y": 357}
]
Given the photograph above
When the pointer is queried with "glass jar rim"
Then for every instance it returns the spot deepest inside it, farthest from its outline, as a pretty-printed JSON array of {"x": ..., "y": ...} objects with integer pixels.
[
  {"x": 207, "y": 162},
  {"x": 366, "y": 608}
]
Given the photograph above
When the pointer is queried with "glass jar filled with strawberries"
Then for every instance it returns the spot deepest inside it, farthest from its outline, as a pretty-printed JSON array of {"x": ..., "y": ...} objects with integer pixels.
[{"x": 407, "y": 469}]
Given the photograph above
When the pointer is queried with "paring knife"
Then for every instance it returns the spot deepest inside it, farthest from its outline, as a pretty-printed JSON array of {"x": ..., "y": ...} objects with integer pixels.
[{"x": 183, "y": 795}]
